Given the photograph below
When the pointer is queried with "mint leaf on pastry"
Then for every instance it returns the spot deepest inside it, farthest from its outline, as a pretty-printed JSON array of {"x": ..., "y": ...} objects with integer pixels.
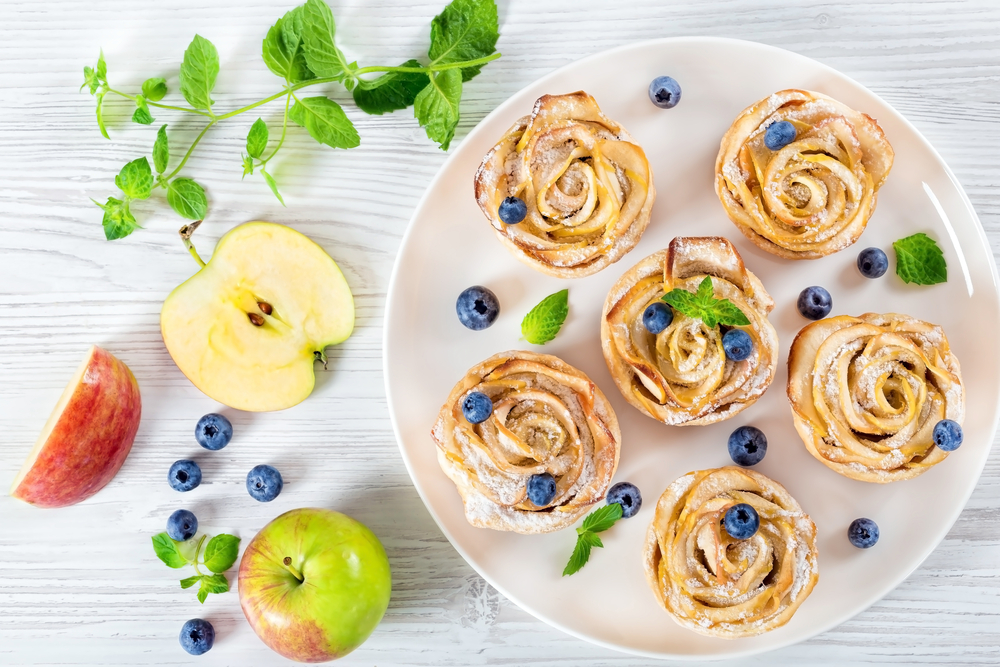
[
  {"x": 543, "y": 322},
  {"x": 596, "y": 522},
  {"x": 705, "y": 307},
  {"x": 920, "y": 260}
]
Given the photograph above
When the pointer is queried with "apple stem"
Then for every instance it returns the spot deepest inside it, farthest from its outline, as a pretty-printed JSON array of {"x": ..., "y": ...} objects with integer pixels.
[
  {"x": 186, "y": 231},
  {"x": 287, "y": 562}
]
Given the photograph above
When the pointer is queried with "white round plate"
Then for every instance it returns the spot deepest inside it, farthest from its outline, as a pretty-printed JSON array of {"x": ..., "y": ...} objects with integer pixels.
[{"x": 450, "y": 246}]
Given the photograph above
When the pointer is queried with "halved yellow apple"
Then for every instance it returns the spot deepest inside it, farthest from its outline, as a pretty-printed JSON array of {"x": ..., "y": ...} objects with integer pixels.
[{"x": 248, "y": 328}]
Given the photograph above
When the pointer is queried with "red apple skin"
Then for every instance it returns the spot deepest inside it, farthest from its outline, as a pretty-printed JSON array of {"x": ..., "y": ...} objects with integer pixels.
[{"x": 89, "y": 438}]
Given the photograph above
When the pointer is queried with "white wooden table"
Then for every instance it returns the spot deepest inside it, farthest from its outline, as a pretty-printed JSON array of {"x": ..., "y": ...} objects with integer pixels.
[{"x": 81, "y": 586}]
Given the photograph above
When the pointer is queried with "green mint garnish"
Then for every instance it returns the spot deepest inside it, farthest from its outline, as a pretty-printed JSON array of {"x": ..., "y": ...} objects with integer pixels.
[
  {"x": 154, "y": 89},
  {"x": 220, "y": 555},
  {"x": 586, "y": 535},
  {"x": 543, "y": 322},
  {"x": 919, "y": 260},
  {"x": 198, "y": 73},
  {"x": 703, "y": 306},
  {"x": 161, "y": 150},
  {"x": 257, "y": 138}
]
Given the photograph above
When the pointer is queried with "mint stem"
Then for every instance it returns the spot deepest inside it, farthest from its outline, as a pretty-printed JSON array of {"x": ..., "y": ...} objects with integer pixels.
[{"x": 197, "y": 551}]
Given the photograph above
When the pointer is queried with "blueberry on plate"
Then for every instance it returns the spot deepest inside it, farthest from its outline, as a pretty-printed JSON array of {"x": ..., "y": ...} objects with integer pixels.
[
  {"x": 665, "y": 92},
  {"x": 872, "y": 263},
  {"x": 184, "y": 475},
  {"x": 863, "y": 533},
  {"x": 477, "y": 308},
  {"x": 197, "y": 636},
  {"x": 657, "y": 317},
  {"x": 182, "y": 525},
  {"x": 477, "y": 407},
  {"x": 747, "y": 445},
  {"x": 541, "y": 489},
  {"x": 778, "y": 135},
  {"x": 213, "y": 432},
  {"x": 512, "y": 210},
  {"x": 627, "y": 495},
  {"x": 947, "y": 435},
  {"x": 741, "y": 521},
  {"x": 737, "y": 344},
  {"x": 815, "y": 303},
  {"x": 264, "y": 483}
]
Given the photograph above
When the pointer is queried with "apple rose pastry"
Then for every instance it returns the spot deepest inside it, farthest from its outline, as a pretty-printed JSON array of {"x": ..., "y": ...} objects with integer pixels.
[
  {"x": 867, "y": 393},
  {"x": 567, "y": 189},
  {"x": 798, "y": 173},
  {"x": 730, "y": 553},
  {"x": 704, "y": 360},
  {"x": 530, "y": 442}
]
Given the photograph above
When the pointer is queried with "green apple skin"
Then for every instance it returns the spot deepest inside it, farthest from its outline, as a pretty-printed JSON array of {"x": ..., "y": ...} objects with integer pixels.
[{"x": 342, "y": 597}]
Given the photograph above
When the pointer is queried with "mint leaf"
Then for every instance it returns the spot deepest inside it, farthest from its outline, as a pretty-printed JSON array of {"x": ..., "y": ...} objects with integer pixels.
[
  {"x": 216, "y": 583},
  {"x": 581, "y": 552},
  {"x": 187, "y": 198},
  {"x": 920, "y": 260},
  {"x": 705, "y": 307},
  {"x": 284, "y": 51},
  {"x": 198, "y": 72},
  {"x": 597, "y": 521},
  {"x": 326, "y": 122},
  {"x": 436, "y": 106},
  {"x": 543, "y": 322},
  {"x": 141, "y": 114},
  {"x": 136, "y": 179},
  {"x": 118, "y": 221},
  {"x": 100, "y": 113},
  {"x": 221, "y": 552},
  {"x": 154, "y": 89},
  {"x": 191, "y": 581},
  {"x": 601, "y": 519},
  {"x": 102, "y": 69},
  {"x": 465, "y": 30},
  {"x": 90, "y": 79},
  {"x": 391, "y": 91},
  {"x": 257, "y": 138},
  {"x": 271, "y": 184},
  {"x": 727, "y": 313},
  {"x": 248, "y": 165},
  {"x": 161, "y": 151},
  {"x": 166, "y": 548},
  {"x": 322, "y": 55}
]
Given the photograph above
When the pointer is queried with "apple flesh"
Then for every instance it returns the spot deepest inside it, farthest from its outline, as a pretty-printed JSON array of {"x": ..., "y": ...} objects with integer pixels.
[
  {"x": 248, "y": 328},
  {"x": 313, "y": 584},
  {"x": 87, "y": 436}
]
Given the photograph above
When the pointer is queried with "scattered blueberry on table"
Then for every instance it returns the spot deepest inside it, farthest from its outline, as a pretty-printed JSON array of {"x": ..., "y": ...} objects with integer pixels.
[
  {"x": 741, "y": 521},
  {"x": 747, "y": 445},
  {"x": 815, "y": 303},
  {"x": 541, "y": 489},
  {"x": 665, "y": 92},
  {"x": 182, "y": 525},
  {"x": 184, "y": 475},
  {"x": 197, "y": 636},
  {"x": 947, "y": 435},
  {"x": 512, "y": 210},
  {"x": 477, "y": 407},
  {"x": 264, "y": 483},
  {"x": 477, "y": 307},
  {"x": 657, "y": 317},
  {"x": 737, "y": 344},
  {"x": 627, "y": 495},
  {"x": 863, "y": 533},
  {"x": 213, "y": 432},
  {"x": 872, "y": 263},
  {"x": 778, "y": 135}
]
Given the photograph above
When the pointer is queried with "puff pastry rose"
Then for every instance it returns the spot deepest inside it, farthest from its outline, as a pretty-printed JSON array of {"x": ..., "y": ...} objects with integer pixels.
[
  {"x": 723, "y": 587},
  {"x": 866, "y": 393},
  {"x": 681, "y": 375},
  {"x": 813, "y": 196},
  {"x": 587, "y": 186},
  {"x": 548, "y": 417}
]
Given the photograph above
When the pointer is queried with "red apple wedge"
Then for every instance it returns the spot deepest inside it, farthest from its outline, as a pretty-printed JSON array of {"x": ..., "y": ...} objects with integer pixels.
[{"x": 87, "y": 437}]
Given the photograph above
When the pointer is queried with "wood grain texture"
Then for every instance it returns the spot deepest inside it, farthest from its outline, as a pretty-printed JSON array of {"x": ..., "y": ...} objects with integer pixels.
[{"x": 81, "y": 586}]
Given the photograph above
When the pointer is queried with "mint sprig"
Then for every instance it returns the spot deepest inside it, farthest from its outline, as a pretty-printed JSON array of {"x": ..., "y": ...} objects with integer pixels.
[
  {"x": 586, "y": 535},
  {"x": 703, "y": 305},
  {"x": 301, "y": 49},
  {"x": 220, "y": 555},
  {"x": 543, "y": 322},
  {"x": 920, "y": 260}
]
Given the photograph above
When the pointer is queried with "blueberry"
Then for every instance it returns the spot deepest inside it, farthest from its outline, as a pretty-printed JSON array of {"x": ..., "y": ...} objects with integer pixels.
[
  {"x": 741, "y": 521},
  {"x": 197, "y": 636},
  {"x": 747, "y": 445},
  {"x": 541, "y": 489},
  {"x": 665, "y": 92},
  {"x": 947, "y": 435},
  {"x": 778, "y": 135},
  {"x": 815, "y": 303},
  {"x": 264, "y": 483},
  {"x": 477, "y": 308},
  {"x": 512, "y": 210},
  {"x": 872, "y": 263},
  {"x": 737, "y": 344},
  {"x": 657, "y": 317},
  {"x": 213, "y": 432},
  {"x": 477, "y": 407},
  {"x": 184, "y": 475},
  {"x": 182, "y": 525},
  {"x": 863, "y": 533},
  {"x": 627, "y": 495}
]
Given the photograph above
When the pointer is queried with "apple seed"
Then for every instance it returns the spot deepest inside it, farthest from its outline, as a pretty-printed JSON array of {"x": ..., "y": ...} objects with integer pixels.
[
  {"x": 256, "y": 319},
  {"x": 265, "y": 307}
]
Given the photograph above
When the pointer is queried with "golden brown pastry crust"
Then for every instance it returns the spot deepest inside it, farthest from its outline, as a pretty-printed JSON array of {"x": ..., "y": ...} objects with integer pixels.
[
  {"x": 587, "y": 185},
  {"x": 548, "y": 417},
  {"x": 867, "y": 391},
  {"x": 814, "y": 196},
  {"x": 681, "y": 376}
]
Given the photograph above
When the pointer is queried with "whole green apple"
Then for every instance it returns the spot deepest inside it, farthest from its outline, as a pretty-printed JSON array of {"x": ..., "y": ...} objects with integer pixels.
[{"x": 313, "y": 584}]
